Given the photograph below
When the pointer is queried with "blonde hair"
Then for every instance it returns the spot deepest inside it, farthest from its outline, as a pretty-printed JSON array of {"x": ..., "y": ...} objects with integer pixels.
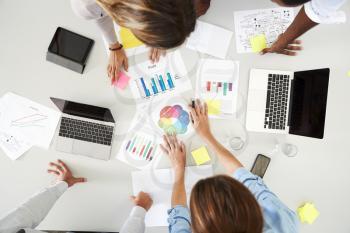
[{"x": 157, "y": 23}]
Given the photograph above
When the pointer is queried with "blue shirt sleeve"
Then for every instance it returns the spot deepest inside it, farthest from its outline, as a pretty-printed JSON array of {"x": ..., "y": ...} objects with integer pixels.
[
  {"x": 277, "y": 216},
  {"x": 179, "y": 220}
]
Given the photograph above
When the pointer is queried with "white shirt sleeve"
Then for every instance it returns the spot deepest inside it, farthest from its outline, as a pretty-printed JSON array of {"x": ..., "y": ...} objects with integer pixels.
[
  {"x": 33, "y": 211},
  {"x": 135, "y": 222},
  {"x": 325, "y": 11},
  {"x": 90, "y": 10}
]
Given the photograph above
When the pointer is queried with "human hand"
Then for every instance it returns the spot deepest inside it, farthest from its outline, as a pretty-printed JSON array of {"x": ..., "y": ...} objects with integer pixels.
[
  {"x": 117, "y": 60},
  {"x": 176, "y": 151},
  {"x": 154, "y": 54},
  {"x": 199, "y": 118},
  {"x": 283, "y": 46},
  {"x": 143, "y": 200},
  {"x": 63, "y": 173}
]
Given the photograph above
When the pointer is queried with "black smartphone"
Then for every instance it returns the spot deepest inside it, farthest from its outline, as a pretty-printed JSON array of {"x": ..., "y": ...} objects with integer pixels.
[{"x": 260, "y": 165}]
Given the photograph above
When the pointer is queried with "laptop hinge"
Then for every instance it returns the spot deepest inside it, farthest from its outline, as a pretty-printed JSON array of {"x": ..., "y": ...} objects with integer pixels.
[{"x": 291, "y": 94}]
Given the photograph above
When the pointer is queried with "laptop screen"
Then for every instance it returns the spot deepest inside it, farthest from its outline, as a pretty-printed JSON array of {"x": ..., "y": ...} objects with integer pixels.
[
  {"x": 308, "y": 103},
  {"x": 84, "y": 110}
]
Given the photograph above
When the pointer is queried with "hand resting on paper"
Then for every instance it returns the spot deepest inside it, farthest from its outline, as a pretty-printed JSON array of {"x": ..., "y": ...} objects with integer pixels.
[
  {"x": 176, "y": 152},
  {"x": 199, "y": 119}
]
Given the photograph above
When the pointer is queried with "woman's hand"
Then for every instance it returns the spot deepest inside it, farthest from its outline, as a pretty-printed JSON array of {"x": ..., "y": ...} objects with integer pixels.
[
  {"x": 154, "y": 54},
  {"x": 63, "y": 173},
  {"x": 143, "y": 200},
  {"x": 283, "y": 46},
  {"x": 117, "y": 60},
  {"x": 176, "y": 151},
  {"x": 199, "y": 118}
]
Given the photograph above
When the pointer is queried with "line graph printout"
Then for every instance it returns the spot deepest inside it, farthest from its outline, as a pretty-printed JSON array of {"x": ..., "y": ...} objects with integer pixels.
[
  {"x": 29, "y": 120},
  {"x": 269, "y": 22}
]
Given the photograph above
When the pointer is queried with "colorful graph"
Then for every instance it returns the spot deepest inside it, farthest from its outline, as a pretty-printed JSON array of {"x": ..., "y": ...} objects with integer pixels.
[
  {"x": 174, "y": 119},
  {"x": 29, "y": 120},
  {"x": 155, "y": 85},
  {"x": 142, "y": 147},
  {"x": 222, "y": 88}
]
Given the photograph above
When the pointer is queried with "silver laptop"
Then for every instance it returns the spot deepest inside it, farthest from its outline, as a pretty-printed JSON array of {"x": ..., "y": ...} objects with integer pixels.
[
  {"x": 84, "y": 129},
  {"x": 287, "y": 102}
]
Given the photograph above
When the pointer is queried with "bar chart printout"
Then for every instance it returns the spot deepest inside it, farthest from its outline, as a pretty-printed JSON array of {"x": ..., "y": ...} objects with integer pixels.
[
  {"x": 142, "y": 147},
  {"x": 221, "y": 89},
  {"x": 155, "y": 85}
]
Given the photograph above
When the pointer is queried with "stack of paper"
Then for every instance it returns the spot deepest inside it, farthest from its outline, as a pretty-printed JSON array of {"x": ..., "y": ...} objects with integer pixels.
[
  {"x": 217, "y": 84},
  {"x": 24, "y": 123},
  {"x": 158, "y": 183},
  {"x": 210, "y": 39}
]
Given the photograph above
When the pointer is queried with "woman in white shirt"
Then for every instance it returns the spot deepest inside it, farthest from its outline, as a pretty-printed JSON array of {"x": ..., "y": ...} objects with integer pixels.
[
  {"x": 313, "y": 12},
  {"x": 160, "y": 24}
]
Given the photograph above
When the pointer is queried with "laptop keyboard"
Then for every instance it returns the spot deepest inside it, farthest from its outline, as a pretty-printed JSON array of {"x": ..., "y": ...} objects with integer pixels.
[
  {"x": 86, "y": 131},
  {"x": 276, "y": 103}
]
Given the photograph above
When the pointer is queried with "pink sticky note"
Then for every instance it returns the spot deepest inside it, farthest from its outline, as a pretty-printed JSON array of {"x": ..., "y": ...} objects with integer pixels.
[{"x": 122, "y": 82}]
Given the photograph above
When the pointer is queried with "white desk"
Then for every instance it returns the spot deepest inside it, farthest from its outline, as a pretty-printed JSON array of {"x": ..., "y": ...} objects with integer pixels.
[{"x": 319, "y": 173}]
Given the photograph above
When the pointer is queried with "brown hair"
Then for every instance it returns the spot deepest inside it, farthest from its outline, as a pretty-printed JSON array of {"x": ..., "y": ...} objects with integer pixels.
[
  {"x": 157, "y": 23},
  {"x": 222, "y": 204}
]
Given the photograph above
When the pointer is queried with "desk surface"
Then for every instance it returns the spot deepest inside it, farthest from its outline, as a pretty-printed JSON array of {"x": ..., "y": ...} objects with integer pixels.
[{"x": 319, "y": 173}]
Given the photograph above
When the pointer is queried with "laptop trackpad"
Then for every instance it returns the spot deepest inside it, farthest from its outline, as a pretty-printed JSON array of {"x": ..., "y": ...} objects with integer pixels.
[
  {"x": 83, "y": 147},
  {"x": 94, "y": 150},
  {"x": 257, "y": 100}
]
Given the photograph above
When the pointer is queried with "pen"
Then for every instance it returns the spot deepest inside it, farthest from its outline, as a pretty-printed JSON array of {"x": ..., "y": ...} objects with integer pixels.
[{"x": 193, "y": 103}]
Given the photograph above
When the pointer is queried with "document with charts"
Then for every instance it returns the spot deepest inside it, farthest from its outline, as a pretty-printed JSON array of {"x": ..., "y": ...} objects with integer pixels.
[
  {"x": 156, "y": 81},
  {"x": 269, "y": 22},
  {"x": 141, "y": 144},
  {"x": 217, "y": 85},
  {"x": 158, "y": 183},
  {"x": 31, "y": 121}
]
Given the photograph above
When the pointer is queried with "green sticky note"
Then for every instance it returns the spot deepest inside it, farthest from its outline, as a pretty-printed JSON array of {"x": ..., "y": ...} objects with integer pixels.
[
  {"x": 308, "y": 213},
  {"x": 201, "y": 155},
  {"x": 258, "y": 43},
  {"x": 214, "y": 107}
]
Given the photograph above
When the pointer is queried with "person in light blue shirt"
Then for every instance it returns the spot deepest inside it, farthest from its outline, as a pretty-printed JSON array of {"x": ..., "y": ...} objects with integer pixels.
[{"x": 236, "y": 203}]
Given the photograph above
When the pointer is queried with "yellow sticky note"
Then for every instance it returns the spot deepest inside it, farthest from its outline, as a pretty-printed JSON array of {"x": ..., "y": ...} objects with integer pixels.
[
  {"x": 308, "y": 213},
  {"x": 201, "y": 155},
  {"x": 128, "y": 39},
  {"x": 349, "y": 73},
  {"x": 258, "y": 43},
  {"x": 214, "y": 107}
]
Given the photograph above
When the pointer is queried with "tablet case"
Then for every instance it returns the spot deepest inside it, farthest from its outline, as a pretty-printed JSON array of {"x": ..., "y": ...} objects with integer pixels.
[{"x": 54, "y": 56}]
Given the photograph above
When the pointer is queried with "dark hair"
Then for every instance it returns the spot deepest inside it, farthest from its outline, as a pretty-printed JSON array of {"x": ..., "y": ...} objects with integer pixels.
[
  {"x": 295, "y": 2},
  {"x": 157, "y": 23},
  {"x": 222, "y": 204}
]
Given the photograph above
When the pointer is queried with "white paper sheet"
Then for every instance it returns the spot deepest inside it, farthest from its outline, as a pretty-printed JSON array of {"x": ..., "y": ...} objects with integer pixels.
[
  {"x": 270, "y": 22},
  {"x": 26, "y": 119},
  {"x": 214, "y": 72},
  {"x": 158, "y": 183},
  {"x": 12, "y": 146},
  {"x": 210, "y": 39},
  {"x": 155, "y": 79}
]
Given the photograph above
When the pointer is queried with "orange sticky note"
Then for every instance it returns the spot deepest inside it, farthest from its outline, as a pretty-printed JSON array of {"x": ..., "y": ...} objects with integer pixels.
[{"x": 122, "y": 81}]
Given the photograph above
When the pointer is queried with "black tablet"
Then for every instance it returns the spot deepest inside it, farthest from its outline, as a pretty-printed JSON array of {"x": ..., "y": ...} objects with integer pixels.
[{"x": 71, "y": 45}]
